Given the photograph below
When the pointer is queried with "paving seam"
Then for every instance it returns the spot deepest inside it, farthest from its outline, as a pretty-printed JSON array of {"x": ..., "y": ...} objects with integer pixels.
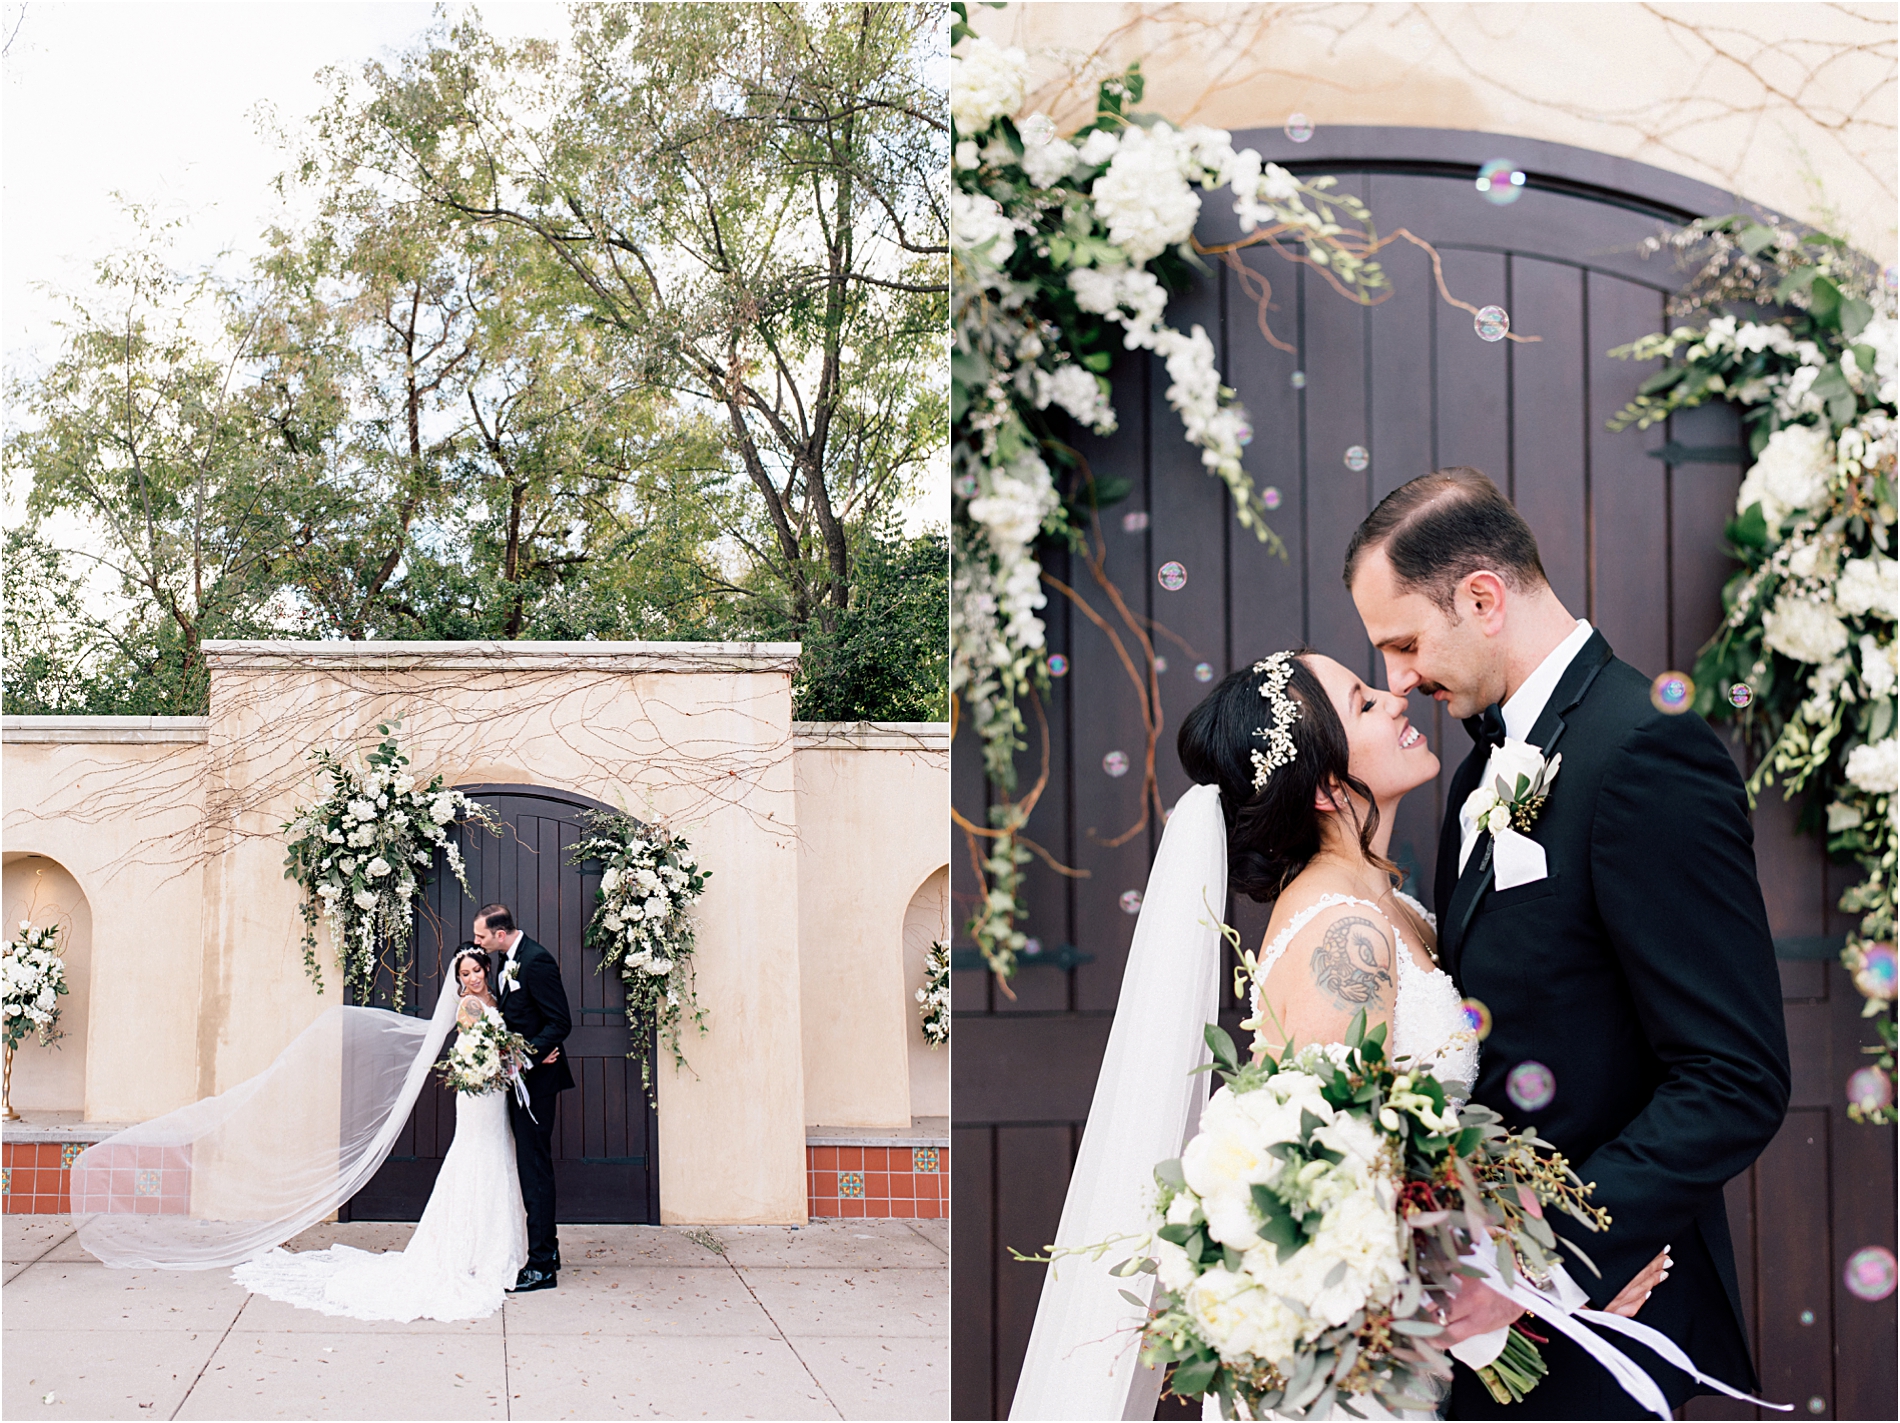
[
  {"x": 212, "y": 1355},
  {"x": 70, "y": 1233},
  {"x": 788, "y": 1343},
  {"x": 507, "y": 1396},
  {"x": 912, "y": 1228}
]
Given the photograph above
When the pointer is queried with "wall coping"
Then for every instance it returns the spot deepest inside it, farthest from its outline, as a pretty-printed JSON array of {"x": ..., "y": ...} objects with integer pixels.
[
  {"x": 922, "y": 1131},
  {"x": 231, "y": 655},
  {"x": 871, "y": 735},
  {"x": 138, "y": 730}
]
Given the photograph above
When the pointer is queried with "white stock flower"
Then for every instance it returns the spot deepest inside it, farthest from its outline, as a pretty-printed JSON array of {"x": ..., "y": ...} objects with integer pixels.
[
  {"x": 1791, "y": 474},
  {"x": 1047, "y": 159},
  {"x": 987, "y": 81},
  {"x": 1806, "y": 629},
  {"x": 1875, "y": 768},
  {"x": 1144, "y": 197},
  {"x": 975, "y": 220},
  {"x": 1077, "y": 391},
  {"x": 1869, "y": 585},
  {"x": 1879, "y": 666}
]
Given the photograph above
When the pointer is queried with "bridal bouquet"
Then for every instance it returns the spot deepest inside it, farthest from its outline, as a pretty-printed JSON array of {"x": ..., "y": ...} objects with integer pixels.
[
  {"x": 33, "y": 976},
  {"x": 1314, "y": 1225},
  {"x": 487, "y": 1057}
]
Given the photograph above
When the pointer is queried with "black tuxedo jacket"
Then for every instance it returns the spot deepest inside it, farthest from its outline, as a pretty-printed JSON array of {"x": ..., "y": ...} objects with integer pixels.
[
  {"x": 1641, "y": 972},
  {"x": 536, "y": 1007}
]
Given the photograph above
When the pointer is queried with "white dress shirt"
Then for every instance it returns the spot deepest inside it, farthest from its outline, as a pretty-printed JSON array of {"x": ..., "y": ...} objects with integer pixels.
[{"x": 1522, "y": 709}]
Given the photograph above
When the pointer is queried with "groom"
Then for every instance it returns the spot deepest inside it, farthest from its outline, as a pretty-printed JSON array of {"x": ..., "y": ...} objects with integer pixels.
[
  {"x": 1620, "y": 943},
  {"x": 534, "y": 1004}
]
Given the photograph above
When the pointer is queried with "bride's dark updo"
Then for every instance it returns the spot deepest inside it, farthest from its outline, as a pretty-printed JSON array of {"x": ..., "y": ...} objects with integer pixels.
[{"x": 1274, "y": 832}]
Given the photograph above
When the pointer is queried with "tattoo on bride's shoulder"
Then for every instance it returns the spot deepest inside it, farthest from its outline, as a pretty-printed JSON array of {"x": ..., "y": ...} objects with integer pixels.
[{"x": 1353, "y": 963}]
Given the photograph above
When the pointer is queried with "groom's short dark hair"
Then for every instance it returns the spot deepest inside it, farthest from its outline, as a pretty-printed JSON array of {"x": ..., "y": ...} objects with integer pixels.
[
  {"x": 498, "y": 919},
  {"x": 1442, "y": 526}
]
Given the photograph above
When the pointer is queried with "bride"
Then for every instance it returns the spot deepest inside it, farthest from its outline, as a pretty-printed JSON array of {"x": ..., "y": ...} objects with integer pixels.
[
  {"x": 473, "y": 1235},
  {"x": 1299, "y": 769}
]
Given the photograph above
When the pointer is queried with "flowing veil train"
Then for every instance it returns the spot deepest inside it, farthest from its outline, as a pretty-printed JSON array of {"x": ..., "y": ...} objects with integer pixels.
[
  {"x": 223, "y": 1180},
  {"x": 1082, "y": 1360}
]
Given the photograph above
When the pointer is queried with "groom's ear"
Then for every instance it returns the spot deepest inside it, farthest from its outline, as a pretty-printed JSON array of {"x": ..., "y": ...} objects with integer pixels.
[{"x": 1482, "y": 595}]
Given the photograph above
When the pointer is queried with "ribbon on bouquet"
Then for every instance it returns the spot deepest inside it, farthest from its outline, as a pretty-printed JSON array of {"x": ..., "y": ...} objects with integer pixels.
[
  {"x": 1561, "y": 1305},
  {"x": 520, "y": 1079}
]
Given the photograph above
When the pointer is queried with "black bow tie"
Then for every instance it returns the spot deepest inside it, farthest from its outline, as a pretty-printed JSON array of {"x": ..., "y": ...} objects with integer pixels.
[{"x": 1487, "y": 727}]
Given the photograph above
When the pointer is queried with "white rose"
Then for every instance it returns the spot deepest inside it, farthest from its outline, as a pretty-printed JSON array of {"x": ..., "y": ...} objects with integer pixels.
[
  {"x": 1875, "y": 768},
  {"x": 1172, "y": 1266},
  {"x": 1517, "y": 758},
  {"x": 655, "y": 908},
  {"x": 364, "y": 900},
  {"x": 1144, "y": 197},
  {"x": 1878, "y": 665},
  {"x": 1791, "y": 473},
  {"x": 612, "y": 921},
  {"x": 1870, "y": 585},
  {"x": 986, "y": 82},
  {"x": 377, "y": 868},
  {"x": 1047, "y": 159},
  {"x": 363, "y": 809},
  {"x": 442, "y": 808},
  {"x": 609, "y": 879},
  {"x": 1806, "y": 629},
  {"x": 1237, "y": 1316},
  {"x": 404, "y": 784},
  {"x": 335, "y": 837}
]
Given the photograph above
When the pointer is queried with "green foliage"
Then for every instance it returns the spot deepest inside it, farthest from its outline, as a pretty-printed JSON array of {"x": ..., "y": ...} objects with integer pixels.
[{"x": 887, "y": 657}]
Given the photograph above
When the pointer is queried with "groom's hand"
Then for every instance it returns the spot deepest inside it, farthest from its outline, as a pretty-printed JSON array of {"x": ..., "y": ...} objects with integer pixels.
[
  {"x": 1475, "y": 1309},
  {"x": 551, "y": 1057}
]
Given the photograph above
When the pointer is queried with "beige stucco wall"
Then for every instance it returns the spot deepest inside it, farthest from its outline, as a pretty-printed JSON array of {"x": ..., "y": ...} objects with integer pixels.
[
  {"x": 1789, "y": 105},
  {"x": 874, "y": 811},
  {"x": 119, "y": 810}
]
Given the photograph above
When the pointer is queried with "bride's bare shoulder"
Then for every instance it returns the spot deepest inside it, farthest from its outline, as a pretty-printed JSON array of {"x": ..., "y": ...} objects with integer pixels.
[{"x": 469, "y": 1010}]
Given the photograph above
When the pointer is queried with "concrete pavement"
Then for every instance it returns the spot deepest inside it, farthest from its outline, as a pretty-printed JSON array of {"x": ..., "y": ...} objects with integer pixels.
[{"x": 837, "y": 1319}]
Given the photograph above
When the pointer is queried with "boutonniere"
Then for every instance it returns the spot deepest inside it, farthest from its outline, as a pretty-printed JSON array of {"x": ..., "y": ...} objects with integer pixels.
[
  {"x": 1520, "y": 784},
  {"x": 510, "y": 971}
]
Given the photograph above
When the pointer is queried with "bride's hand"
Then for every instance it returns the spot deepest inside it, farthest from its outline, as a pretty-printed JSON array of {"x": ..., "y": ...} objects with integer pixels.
[
  {"x": 1631, "y": 1297},
  {"x": 1476, "y": 1309}
]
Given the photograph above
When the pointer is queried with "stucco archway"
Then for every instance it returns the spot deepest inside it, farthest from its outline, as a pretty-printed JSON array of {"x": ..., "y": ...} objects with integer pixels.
[
  {"x": 926, "y": 921},
  {"x": 40, "y": 889}
]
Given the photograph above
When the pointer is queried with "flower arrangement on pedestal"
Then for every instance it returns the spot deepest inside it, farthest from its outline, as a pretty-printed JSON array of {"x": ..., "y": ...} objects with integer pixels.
[
  {"x": 933, "y": 999},
  {"x": 1805, "y": 658},
  {"x": 360, "y": 855},
  {"x": 642, "y": 929},
  {"x": 1064, "y": 249},
  {"x": 32, "y": 980}
]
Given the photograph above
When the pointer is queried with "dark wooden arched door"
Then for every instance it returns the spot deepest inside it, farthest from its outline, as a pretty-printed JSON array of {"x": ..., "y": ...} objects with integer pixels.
[
  {"x": 1630, "y": 526},
  {"x": 606, "y": 1167}
]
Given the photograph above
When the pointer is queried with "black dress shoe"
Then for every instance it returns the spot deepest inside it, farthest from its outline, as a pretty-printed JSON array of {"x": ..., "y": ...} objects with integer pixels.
[{"x": 530, "y": 1279}]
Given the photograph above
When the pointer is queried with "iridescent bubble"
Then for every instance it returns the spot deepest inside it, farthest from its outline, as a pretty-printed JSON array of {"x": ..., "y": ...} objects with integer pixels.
[
  {"x": 1131, "y": 901},
  {"x": 1357, "y": 458},
  {"x": 1531, "y": 1086},
  {"x": 1058, "y": 665},
  {"x": 1807, "y": 1317},
  {"x": 1892, "y": 278},
  {"x": 1134, "y": 523},
  {"x": 1161, "y": 663},
  {"x": 1817, "y": 1405},
  {"x": 965, "y": 486},
  {"x": 1203, "y": 671},
  {"x": 1171, "y": 576},
  {"x": 1270, "y": 497},
  {"x": 1492, "y": 323},
  {"x": 1477, "y": 1017},
  {"x": 1031, "y": 947},
  {"x": 1501, "y": 182},
  {"x": 1244, "y": 434},
  {"x": 1740, "y": 695},
  {"x": 1673, "y": 693},
  {"x": 1870, "y": 1273},
  {"x": 1875, "y": 977},
  {"x": 1299, "y": 128},
  {"x": 1115, "y": 763},
  {"x": 1870, "y": 1089},
  {"x": 1297, "y": 380}
]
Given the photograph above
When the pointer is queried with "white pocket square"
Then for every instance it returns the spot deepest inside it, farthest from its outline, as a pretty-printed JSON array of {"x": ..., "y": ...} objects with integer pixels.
[{"x": 1517, "y": 860}]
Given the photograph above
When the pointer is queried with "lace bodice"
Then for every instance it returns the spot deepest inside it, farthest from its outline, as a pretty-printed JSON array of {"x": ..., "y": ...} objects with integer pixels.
[{"x": 1428, "y": 1021}]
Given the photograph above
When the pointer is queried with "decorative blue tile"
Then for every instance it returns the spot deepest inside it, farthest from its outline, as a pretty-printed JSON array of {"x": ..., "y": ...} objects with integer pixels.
[
  {"x": 6, "y": 1180},
  {"x": 148, "y": 1182},
  {"x": 851, "y": 1185},
  {"x": 923, "y": 1159},
  {"x": 70, "y": 1153}
]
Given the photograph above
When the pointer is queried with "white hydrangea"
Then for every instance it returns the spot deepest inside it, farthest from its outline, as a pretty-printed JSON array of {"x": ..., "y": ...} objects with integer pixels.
[
  {"x": 1806, "y": 629},
  {"x": 377, "y": 868},
  {"x": 1077, "y": 391},
  {"x": 1237, "y": 1316},
  {"x": 1870, "y": 585},
  {"x": 1098, "y": 148},
  {"x": 975, "y": 220},
  {"x": 1144, "y": 198},
  {"x": 1047, "y": 158},
  {"x": 1131, "y": 295},
  {"x": 363, "y": 809},
  {"x": 442, "y": 808},
  {"x": 987, "y": 81},
  {"x": 1883, "y": 334},
  {"x": 1875, "y": 768},
  {"x": 1879, "y": 665},
  {"x": 1791, "y": 474},
  {"x": 609, "y": 880}
]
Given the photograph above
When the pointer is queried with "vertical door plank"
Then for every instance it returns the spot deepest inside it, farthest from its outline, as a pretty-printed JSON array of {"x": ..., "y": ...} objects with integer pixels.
[
  {"x": 1702, "y": 498},
  {"x": 1032, "y": 1164},
  {"x": 1627, "y": 499},
  {"x": 1547, "y": 419},
  {"x": 1861, "y": 1199},
  {"x": 1793, "y": 1263},
  {"x": 969, "y": 988},
  {"x": 973, "y": 1255}
]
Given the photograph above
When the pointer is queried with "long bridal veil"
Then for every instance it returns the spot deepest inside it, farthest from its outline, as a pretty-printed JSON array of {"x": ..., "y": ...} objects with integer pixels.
[
  {"x": 220, "y": 1181},
  {"x": 1082, "y": 1360}
]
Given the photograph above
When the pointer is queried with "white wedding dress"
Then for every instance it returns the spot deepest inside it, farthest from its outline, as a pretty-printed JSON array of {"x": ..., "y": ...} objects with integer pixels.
[{"x": 470, "y": 1243}]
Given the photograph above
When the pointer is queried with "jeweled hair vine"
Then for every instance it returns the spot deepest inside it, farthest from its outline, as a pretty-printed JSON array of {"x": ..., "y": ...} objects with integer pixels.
[{"x": 1276, "y": 671}]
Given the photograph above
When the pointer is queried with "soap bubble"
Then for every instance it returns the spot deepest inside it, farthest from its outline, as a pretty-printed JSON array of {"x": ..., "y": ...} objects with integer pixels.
[
  {"x": 1870, "y": 1273},
  {"x": 1817, "y": 1405},
  {"x": 1135, "y": 522},
  {"x": 1297, "y": 380},
  {"x": 1244, "y": 434},
  {"x": 1673, "y": 693},
  {"x": 1131, "y": 901},
  {"x": 1807, "y": 1317},
  {"x": 1299, "y": 128},
  {"x": 1892, "y": 278},
  {"x": 1501, "y": 182},
  {"x": 1491, "y": 323},
  {"x": 1875, "y": 977},
  {"x": 1115, "y": 763},
  {"x": 1058, "y": 665},
  {"x": 1270, "y": 497},
  {"x": 1203, "y": 671},
  {"x": 1476, "y": 1017},
  {"x": 1171, "y": 576},
  {"x": 1161, "y": 663},
  {"x": 965, "y": 486},
  {"x": 1031, "y": 947},
  {"x": 1740, "y": 695},
  {"x": 1357, "y": 458},
  {"x": 1531, "y": 1086},
  {"x": 1870, "y": 1089}
]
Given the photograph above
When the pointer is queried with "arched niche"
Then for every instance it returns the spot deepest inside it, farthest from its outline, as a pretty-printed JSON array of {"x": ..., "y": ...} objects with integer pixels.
[
  {"x": 926, "y": 921},
  {"x": 39, "y": 889}
]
